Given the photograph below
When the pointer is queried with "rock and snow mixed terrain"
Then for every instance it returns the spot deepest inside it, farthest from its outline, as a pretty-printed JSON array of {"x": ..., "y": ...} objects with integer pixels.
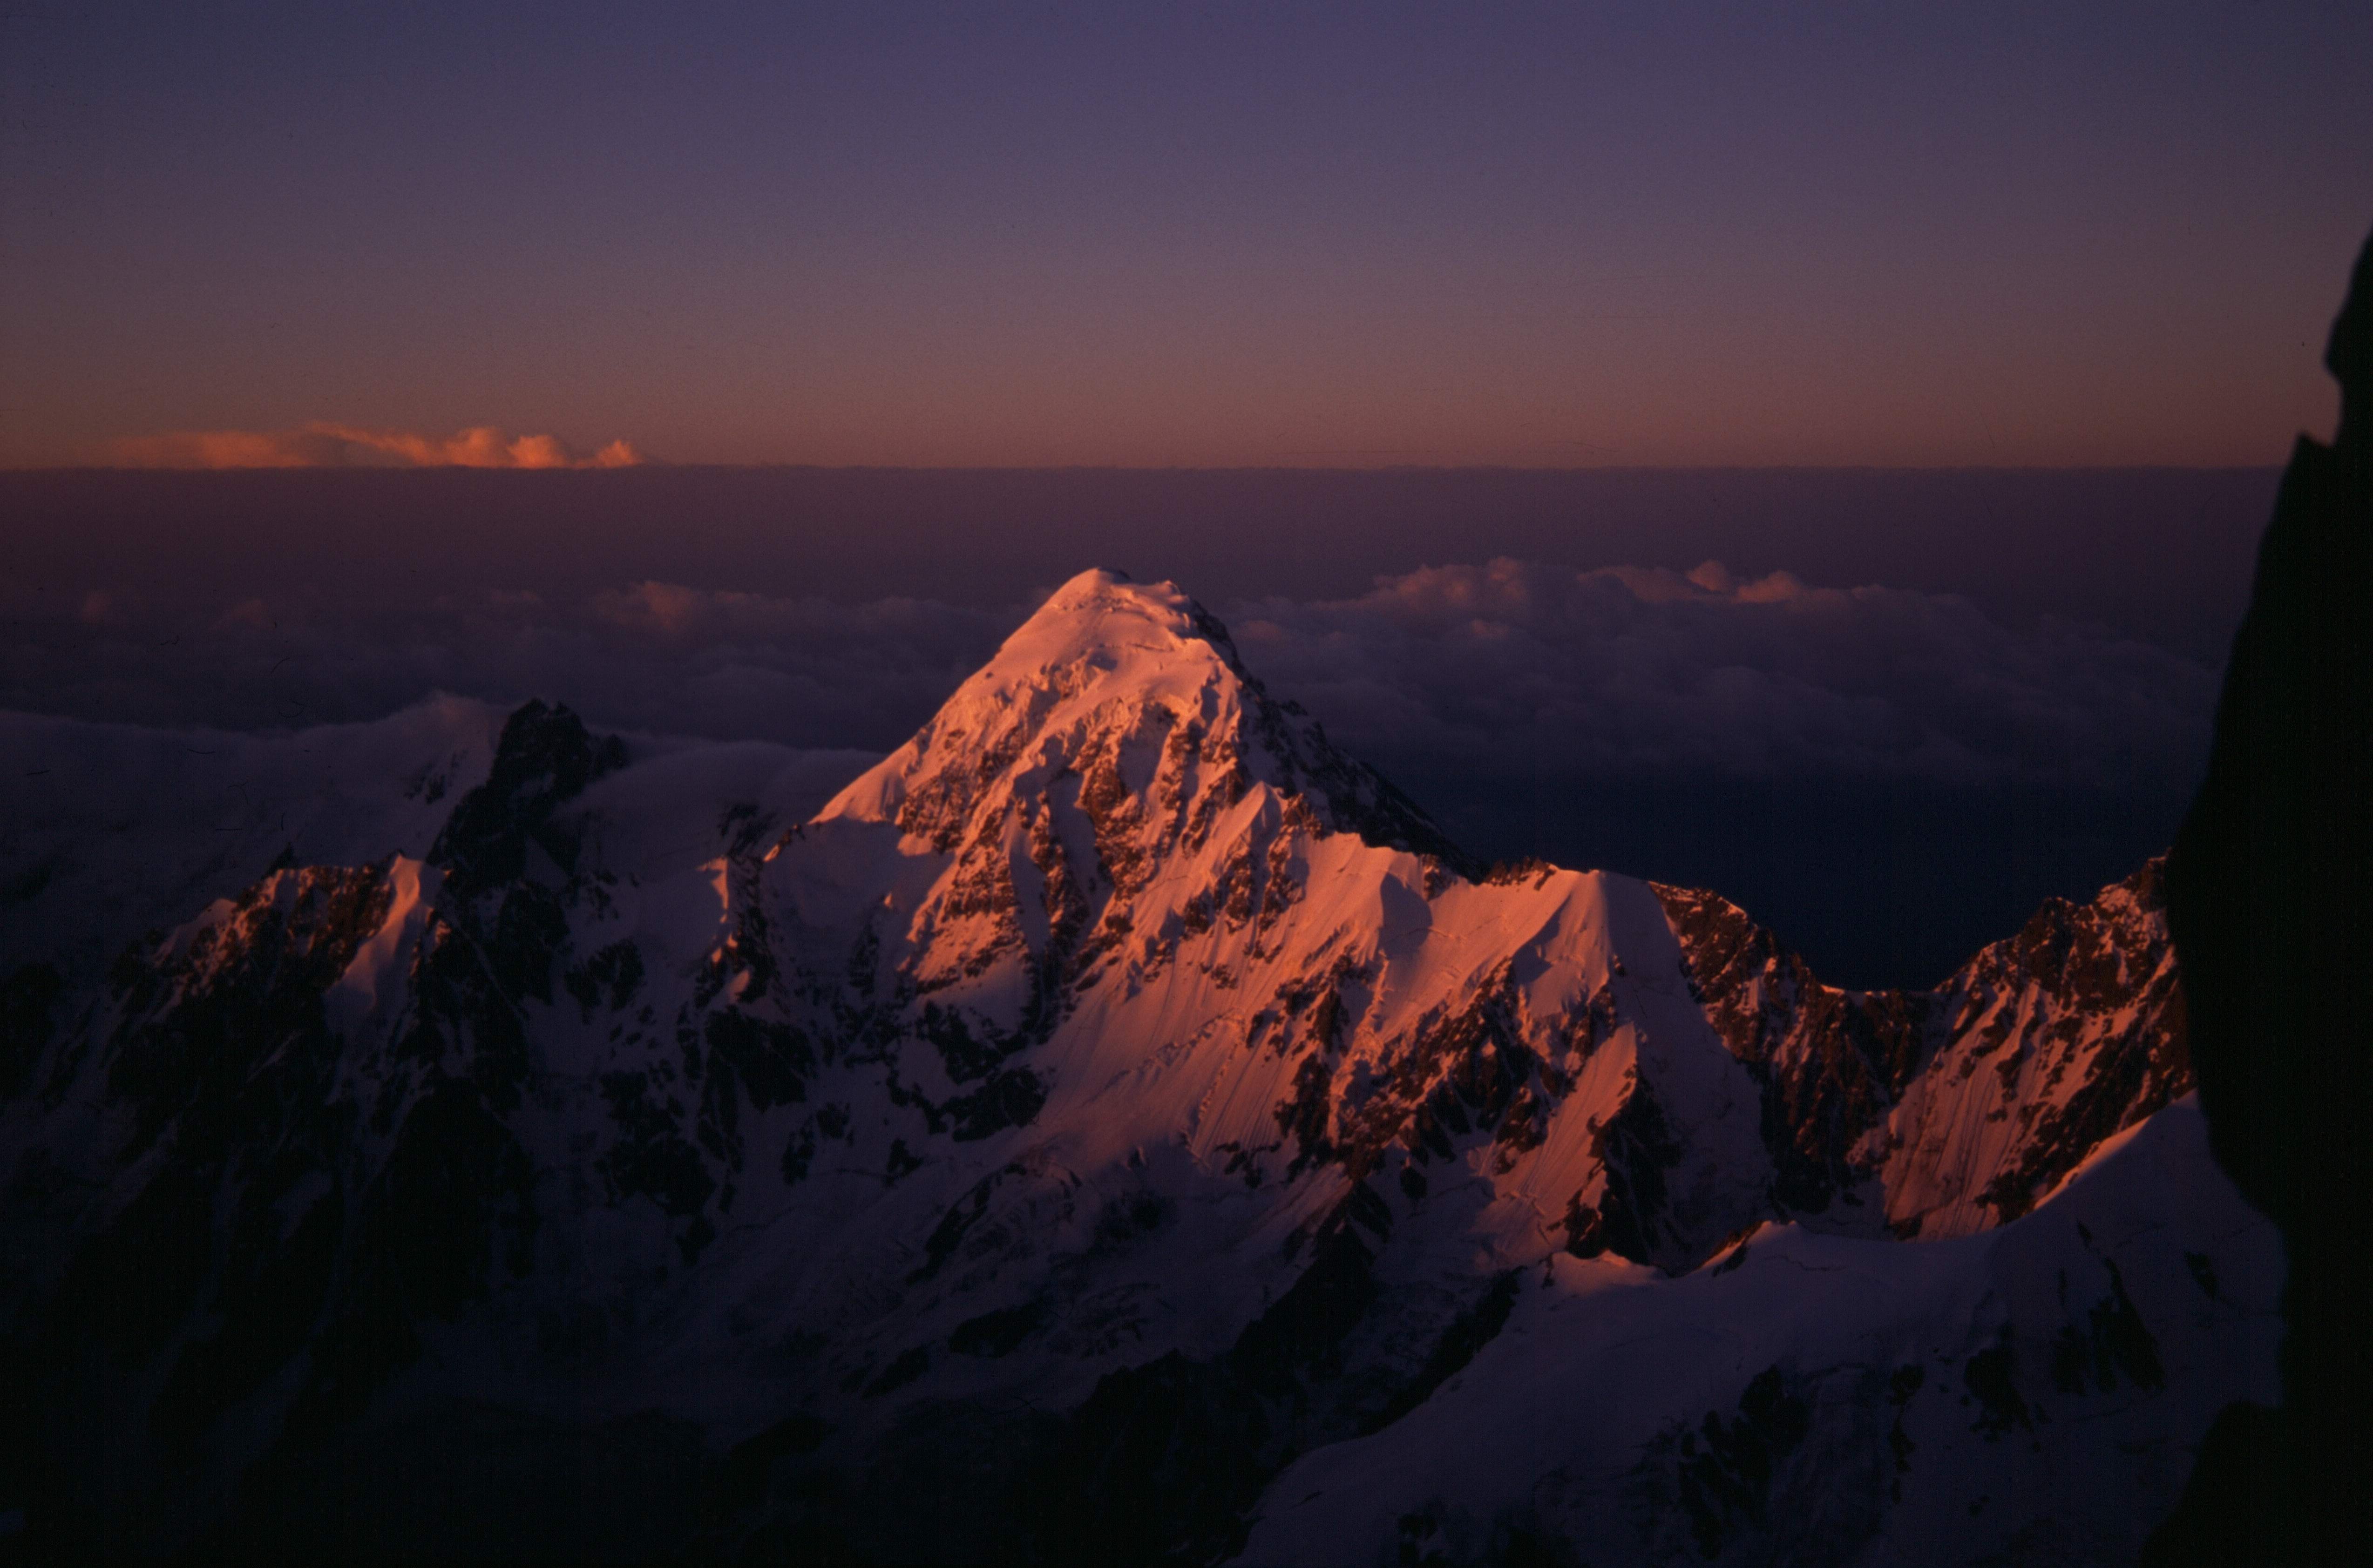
[{"x": 1114, "y": 1127}]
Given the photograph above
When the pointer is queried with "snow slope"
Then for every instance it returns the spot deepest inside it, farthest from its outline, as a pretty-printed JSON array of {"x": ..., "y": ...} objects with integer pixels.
[
  {"x": 2004, "y": 1396},
  {"x": 1112, "y": 1100}
]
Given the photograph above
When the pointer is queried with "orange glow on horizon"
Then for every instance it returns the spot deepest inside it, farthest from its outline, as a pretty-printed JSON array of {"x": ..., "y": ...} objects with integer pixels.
[{"x": 326, "y": 445}]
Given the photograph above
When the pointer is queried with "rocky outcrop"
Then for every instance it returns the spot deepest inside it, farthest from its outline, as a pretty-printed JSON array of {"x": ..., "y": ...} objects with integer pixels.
[
  {"x": 2267, "y": 906},
  {"x": 1943, "y": 1111}
]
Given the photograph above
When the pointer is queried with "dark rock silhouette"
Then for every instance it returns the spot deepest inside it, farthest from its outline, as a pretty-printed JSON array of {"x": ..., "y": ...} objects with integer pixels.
[{"x": 2267, "y": 905}]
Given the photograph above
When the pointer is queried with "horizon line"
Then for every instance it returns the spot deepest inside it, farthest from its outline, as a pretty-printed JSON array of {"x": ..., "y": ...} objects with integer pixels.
[{"x": 649, "y": 465}]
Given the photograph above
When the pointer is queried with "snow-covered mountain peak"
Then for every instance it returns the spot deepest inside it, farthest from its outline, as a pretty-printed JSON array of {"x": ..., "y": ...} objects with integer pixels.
[
  {"x": 1135, "y": 691},
  {"x": 1100, "y": 649},
  {"x": 1100, "y": 620}
]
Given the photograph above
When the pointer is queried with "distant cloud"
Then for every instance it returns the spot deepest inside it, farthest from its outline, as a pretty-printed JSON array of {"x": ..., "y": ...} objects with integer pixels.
[
  {"x": 1474, "y": 678},
  {"x": 1815, "y": 751},
  {"x": 649, "y": 656},
  {"x": 324, "y": 445},
  {"x": 1633, "y": 674}
]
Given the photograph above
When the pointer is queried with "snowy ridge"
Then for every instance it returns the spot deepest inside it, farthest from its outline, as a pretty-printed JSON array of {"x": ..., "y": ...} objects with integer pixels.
[
  {"x": 115, "y": 830},
  {"x": 1108, "y": 1098},
  {"x": 1104, "y": 668},
  {"x": 2055, "y": 1041},
  {"x": 1876, "y": 1099},
  {"x": 1856, "y": 1401}
]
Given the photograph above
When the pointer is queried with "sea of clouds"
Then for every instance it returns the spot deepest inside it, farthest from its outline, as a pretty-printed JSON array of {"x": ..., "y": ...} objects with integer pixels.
[
  {"x": 1649, "y": 674},
  {"x": 1817, "y": 751},
  {"x": 1623, "y": 673}
]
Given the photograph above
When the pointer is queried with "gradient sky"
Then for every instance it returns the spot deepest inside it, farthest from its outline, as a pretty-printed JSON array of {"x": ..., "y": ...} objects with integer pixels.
[{"x": 1216, "y": 235}]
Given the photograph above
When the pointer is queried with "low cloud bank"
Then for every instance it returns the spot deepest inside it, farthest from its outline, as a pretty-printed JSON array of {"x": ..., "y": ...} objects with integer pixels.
[
  {"x": 1626, "y": 674},
  {"x": 1891, "y": 777},
  {"x": 323, "y": 445},
  {"x": 1619, "y": 675},
  {"x": 652, "y": 656}
]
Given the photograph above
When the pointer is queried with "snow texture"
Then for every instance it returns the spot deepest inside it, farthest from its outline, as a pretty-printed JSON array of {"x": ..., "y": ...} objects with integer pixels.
[{"x": 1115, "y": 1125}]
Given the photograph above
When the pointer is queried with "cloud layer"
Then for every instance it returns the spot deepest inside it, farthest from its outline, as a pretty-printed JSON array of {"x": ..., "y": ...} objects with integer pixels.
[
  {"x": 324, "y": 445},
  {"x": 1652, "y": 675},
  {"x": 1891, "y": 777},
  {"x": 1620, "y": 675}
]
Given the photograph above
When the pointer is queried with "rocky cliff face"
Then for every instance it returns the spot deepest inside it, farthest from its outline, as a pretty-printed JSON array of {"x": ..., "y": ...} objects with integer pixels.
[
  {"x": 1106, "y": 1101},
  {"x": 1950, "y": 1110},
  {"x": 2269, "y": 913}
]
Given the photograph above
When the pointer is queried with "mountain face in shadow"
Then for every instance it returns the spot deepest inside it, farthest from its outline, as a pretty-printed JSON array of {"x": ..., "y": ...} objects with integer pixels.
[
  {"x": 2266, "y": 902},
  {"x": 1118, "y": 1126}
]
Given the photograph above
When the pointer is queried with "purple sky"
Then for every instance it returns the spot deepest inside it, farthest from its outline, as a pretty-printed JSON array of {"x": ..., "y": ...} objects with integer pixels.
[{"x": 1304, "y": 235}]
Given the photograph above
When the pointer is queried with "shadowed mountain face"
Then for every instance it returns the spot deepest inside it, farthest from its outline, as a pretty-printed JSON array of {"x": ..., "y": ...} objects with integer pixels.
[
  {"x": 2268, "y": 911},
  {"x": 1116, "y": 1126}
]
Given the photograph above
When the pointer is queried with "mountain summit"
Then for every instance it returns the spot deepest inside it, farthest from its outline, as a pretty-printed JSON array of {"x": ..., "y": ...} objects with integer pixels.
[
  {"x": 1108, "y": 1125},
  {"x": 1116, "y": 679}
]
